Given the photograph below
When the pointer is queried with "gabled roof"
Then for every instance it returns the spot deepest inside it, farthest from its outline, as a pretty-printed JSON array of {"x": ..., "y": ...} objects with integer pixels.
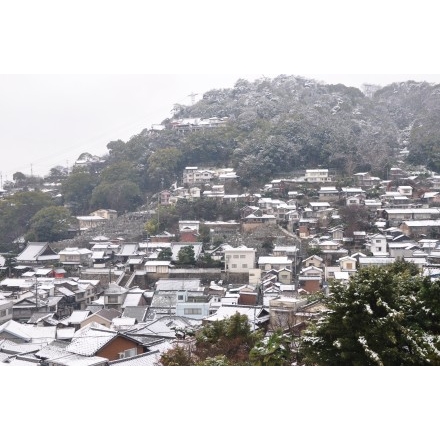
[
  {"x": 311, "y": 269},
  {"x": 107, "y": 314},
  {"x": 132, "y": 299},
  {"x": 34, "y": 251},
  {"x": 76, "y": 317},
  {"x": 16, "y": 330},
  {"x": 166, "y": 326},
  {"x": 316, "y": 257},
  {"x": 89, "y": 339},
  {"x": 29, "y": 333},
  {"x": 137, "y": 312},
  {"x": 128, "y": 249},
  {"x": 149, "y": 359}
]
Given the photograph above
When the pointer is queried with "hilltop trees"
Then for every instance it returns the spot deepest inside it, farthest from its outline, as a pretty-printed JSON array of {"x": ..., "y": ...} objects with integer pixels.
[
  {"x": 118, "y": 188},
  {"x": 385, "y": 316},
  {"x": 16, "y": 211},
  {"x": 77, "y": 191},
  {"x": 50, "y": 224}
]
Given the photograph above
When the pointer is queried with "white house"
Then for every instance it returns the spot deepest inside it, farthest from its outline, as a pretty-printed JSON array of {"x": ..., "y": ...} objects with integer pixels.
[
  {"x": 267, "y": 263},
  {"x": 240, "y": 259},
  {"x": 377, "y": 245},
  {"x": 317, "y": 175}
]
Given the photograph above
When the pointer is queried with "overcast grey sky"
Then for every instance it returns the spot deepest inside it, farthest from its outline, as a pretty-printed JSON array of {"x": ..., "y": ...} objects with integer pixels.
[
  {"x": 49, "y": 120},
  {"x": 75, "y": 77}
]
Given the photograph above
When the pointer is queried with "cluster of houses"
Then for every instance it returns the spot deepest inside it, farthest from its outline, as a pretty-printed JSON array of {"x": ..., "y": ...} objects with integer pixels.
[
  {"x": 117, "y": 303},
  {"x": 99, "y": 317}
]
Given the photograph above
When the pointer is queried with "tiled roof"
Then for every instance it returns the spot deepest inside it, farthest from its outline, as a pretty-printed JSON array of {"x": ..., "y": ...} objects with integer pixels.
[
  {"x": 178, "y": 284},
  {"x": 76, "y": 360},
  {"x": 89, "y": 339},
  {"x": 143, "y": 360},
  {"x": 77, "y": 317},
  {"x": 132, "y": 299},
  {"x": 32, "y": 251},
  {"x": 16, "y": 329},
  {"x": 109, "y": 314},
  {"x": 137, "y": 312}
]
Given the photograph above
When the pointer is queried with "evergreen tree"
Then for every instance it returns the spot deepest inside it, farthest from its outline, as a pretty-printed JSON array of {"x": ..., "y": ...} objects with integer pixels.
[
  {"x": 186, "y": 255},
  {"x": 384, "y": 316},
  {"x": 273, "y": 350},
  {"x": 165, "y": 254}
]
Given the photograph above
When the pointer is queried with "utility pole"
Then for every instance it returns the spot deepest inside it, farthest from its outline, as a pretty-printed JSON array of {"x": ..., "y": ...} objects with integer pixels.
[{"x": 36, "y": 293}]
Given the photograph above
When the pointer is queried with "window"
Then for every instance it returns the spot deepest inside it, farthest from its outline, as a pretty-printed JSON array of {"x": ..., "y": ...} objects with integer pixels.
[
  {"x": 242, "y": 256},
  {"x": 234, "y": 266},
  {"x": 2, "y": 312},
  {"x": 113, "y": 299},
  {"x": 192, "y": 311},
  {"x": 244, "y": 266},
  {"x": 379, "y": 249},
  {"x": 378, "y": 241},
  {"x": 235, "y": 256},
  {"x": 180, "y": 297},
  {"x": 128, "y": 353}
]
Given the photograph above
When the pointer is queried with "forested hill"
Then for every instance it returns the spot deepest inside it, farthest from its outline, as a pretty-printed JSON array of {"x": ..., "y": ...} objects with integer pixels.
[
  {"x": 269, "y": 128},
  {"x": 289, "y": 123}
]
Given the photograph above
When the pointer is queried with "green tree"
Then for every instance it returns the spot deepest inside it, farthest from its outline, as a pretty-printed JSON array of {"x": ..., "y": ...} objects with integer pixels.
[
  {"x": 205, "y": 234},
  {"x": 77, "y": 191},
  {"x": 231, "y": 337},
  {"x": 121, "y": 196},
  {"x": 186, "y": 255},
  {"x": 57, "y": 173},
  {"x": 384, "y": 316},
  {"x": 231, "y": 342},
  {"x": 273, "y": 350},
  {"x": 120, "y": 171},
  {"x": 18, "y": 177},
  {"x": 176, "y": 357},
  {"x": 216, "y": 361},
  {"x": 163, "y": 165},
  {"x": 165, "y": 254},
  {"x": 50, "y": 224},
  {"x": 151, "y": 226},
  {"x": 17, "y": 210},
  {"x": 354, "y": 218}
]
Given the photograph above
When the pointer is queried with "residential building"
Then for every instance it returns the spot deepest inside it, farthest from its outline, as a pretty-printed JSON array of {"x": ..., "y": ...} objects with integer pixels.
[
  {"x": 267, "y": 263},
  {"x": 377, "y": 245},
  {"x": 108, "y": 214},
  {"x": 195, "y": 305},
  {"x": 114, "y": 296},
  {"x": 317, "y": 175},
  {"x": 74, "y": 257},
  {"x": 240, "y": 259}
]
